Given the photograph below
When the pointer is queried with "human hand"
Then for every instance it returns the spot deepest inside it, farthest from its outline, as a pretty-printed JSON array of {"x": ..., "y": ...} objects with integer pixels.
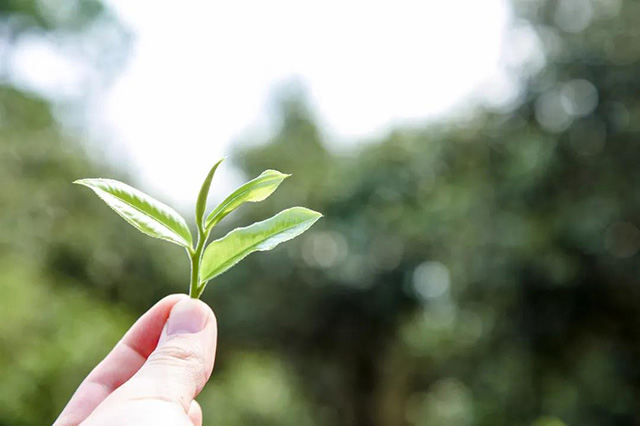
[{"x": 154, "y": 373}]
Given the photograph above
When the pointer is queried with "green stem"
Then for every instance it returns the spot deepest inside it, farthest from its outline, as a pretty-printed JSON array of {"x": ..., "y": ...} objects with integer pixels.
[
  {"x": 200, "y": 290},
  {"x": 196, "y": 258}
]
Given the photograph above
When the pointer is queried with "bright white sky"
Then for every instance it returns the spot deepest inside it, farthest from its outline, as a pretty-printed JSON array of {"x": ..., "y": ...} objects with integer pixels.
[{"x": 202, "y": 73}]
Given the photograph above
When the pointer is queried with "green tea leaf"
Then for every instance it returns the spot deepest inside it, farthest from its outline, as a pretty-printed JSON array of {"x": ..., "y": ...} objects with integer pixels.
[
  {"x": 253, "y": 191},
  {"x": 224, "y": 253},
  {"x": 201, "y": 204},
  {"x": 143, "y": 212}
]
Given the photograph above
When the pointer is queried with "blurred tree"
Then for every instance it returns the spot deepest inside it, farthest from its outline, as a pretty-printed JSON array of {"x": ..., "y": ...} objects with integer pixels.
[
  {"x": 475, "y": 273},
  {"x": 479, "y": 271},
  {"x": 62, "y": 259}
]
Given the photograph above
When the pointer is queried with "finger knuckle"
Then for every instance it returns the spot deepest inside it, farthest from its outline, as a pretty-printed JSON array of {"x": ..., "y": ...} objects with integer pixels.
[
  {"x": 177, "y": 354},
  {"x": 187, "y": 359}
]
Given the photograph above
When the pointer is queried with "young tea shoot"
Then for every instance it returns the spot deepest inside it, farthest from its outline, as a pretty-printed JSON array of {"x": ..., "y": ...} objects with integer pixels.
[{"x": 158, "y": 220}]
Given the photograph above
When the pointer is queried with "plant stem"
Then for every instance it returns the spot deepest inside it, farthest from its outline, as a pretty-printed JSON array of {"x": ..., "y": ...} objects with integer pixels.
[
  {"x": 196, "y": 258},
  {"x": 195, "y": 271}
]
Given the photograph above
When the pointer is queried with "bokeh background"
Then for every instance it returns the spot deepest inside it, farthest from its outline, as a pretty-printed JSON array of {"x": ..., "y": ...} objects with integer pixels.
[{"x": 478, "y": 268}]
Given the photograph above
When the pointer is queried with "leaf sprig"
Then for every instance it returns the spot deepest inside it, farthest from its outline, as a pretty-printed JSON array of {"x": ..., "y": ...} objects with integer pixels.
[{"x": 158, "y": 220}]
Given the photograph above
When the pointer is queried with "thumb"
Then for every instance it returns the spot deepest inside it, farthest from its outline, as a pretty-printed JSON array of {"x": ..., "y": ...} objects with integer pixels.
[{"x": 181, "y": 364}]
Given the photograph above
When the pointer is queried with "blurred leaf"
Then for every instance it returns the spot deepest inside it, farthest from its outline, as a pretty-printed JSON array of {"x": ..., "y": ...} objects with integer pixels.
[
  {"x": 148, "y": 215},
  {"x": 224, "y": 253},
  {"x": 253, "y": 191}
]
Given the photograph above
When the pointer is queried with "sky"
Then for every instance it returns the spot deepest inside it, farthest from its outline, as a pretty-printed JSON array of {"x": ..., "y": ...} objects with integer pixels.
[{"x": 203, "y": 75}]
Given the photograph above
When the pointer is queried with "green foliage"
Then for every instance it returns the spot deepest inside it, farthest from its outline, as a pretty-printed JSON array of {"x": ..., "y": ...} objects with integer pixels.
[
  {"x": 255, "y": 190},
  {"x": 201, "y": 203},
  {"x": 143, "y": 212},
  {"x": 223, "y": 254},
  {"x": 256, "y": 387},
  {"x": 476, "y": 272},
  {"x": 51, "y": 336},
  {"x": 158, "y": 220}
]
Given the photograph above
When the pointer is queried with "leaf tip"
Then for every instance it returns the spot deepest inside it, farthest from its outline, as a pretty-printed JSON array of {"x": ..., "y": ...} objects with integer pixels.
[
  {"x": 215, "y": 166},
  {"x": 316, "y": 215},
  {"x": 82, "y": 182},
  {"x": 276, "y": 173}
]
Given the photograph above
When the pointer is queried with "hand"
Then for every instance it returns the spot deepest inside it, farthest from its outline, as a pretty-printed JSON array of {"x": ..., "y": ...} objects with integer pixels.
[{"x": 154, "y": 373}]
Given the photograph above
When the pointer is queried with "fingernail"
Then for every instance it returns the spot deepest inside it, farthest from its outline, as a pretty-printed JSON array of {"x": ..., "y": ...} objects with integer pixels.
[{"x": 187, "y": 316}]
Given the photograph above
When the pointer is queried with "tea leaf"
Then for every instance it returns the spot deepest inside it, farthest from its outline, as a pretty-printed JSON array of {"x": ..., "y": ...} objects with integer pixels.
[
  {"x": 201, "y": 204},
  {"x": 253, "y": 191},
  {"x": 224, "y": 253},
  {"x": 148, "y": 215}
]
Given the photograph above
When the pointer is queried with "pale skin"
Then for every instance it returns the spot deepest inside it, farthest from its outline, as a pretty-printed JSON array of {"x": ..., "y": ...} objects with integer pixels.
[{"x": 152, "y": 376}]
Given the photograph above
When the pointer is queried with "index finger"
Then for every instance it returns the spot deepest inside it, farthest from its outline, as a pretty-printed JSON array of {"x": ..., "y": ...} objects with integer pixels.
[{"x": 120, "y": 364}]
